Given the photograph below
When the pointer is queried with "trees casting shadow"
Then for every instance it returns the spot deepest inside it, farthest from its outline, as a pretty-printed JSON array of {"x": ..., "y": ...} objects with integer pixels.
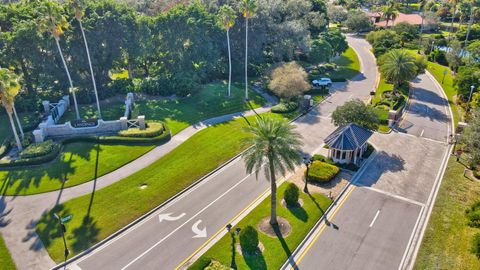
[
  {"x": 425, "y": 111},
  {"x": 383, "y": 162}
]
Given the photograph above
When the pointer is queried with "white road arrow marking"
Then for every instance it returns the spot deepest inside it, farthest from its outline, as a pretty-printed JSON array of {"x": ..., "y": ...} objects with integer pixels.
[
  {"x": 199, "y": 233},
  {"x": 168, "y": 217}
]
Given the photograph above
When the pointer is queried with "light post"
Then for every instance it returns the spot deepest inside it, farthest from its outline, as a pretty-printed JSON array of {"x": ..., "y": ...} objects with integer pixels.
[
  {"x": 307, "y": 161},
  {"x": 63, "y": 229},
  {"x": 470, "y": 96}
]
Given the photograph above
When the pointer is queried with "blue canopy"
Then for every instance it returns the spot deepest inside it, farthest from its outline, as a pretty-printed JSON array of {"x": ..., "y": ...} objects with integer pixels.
[{"x": 348, "y": 137}]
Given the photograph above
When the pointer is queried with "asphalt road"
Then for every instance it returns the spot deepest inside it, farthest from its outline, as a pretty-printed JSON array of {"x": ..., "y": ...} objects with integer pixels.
[
  {"x": 377, "y": 221},
  {"x": 205, "y": 210}
]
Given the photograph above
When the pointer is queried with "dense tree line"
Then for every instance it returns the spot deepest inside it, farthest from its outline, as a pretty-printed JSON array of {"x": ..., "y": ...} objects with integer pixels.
[{"x": 170, "y": 50}]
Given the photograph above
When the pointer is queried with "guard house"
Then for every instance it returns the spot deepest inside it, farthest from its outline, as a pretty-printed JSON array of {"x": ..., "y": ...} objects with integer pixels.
[{"x": 348, "y": 143}]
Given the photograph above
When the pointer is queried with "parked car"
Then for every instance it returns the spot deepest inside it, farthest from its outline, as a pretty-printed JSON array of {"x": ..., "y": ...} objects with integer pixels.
[{"x": 322, "y": 82}]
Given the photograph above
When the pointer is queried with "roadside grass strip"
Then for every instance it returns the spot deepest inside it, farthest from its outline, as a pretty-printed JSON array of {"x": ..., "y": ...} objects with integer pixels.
[
  {"x": 6, "y": 261},
  {"x": 276, "y": 249},
  {"x": 101, "y": 213},
  {"x": 448, "y": 238},
  {"x": 349, "y": 66}
]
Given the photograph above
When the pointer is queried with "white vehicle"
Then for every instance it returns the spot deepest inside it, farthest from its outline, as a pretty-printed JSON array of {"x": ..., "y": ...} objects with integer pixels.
[{"x": 322, "y": 82}]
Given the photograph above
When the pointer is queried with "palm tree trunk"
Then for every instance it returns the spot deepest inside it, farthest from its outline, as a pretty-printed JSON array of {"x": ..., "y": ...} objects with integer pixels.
[
  {"x": 246, "y": 58},
  {"x": 421, "y": 25},
  {"x": 69, "y": 78},
  {"x": 453, "y": 18},
  {"x": 18, "y": 121},
  {"x": 469, "y": 28},
  {"x": 229, "y": 64},
  {"x": 273, "y": 196},
  {"x": 17, "y": 140},
  {"x": 91, "y": 69}
]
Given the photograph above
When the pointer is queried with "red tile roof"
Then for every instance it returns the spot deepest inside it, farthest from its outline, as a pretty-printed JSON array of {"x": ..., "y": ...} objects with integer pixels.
[{"x": 414, "y": 19}]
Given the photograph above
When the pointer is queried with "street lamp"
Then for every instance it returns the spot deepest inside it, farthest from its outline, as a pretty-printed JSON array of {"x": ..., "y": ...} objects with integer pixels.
[
  {"x": 470, "y": 96},
  {"x": 63, "y": 229},
  {"x": 307, "y": 161}
]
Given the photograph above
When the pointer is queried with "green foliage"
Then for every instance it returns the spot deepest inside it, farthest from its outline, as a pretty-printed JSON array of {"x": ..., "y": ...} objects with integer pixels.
[
  {"x": 358, "y": 21},
  {"x": 35, "y": 160},
  {"x": 6, "y": 260},
  {"x": 321, "y": 51},
  {"x": 471, "y": 139},
  {"x": 406, "y": 31},
  {"x": 291, "y": 195},
  {"x": 285, "y": 107},
  {"x": 322, "y": 172},
  {"x": 466, "y": 77},
  {"x": 398, "y": 67},
  {"x": 153, "y": 129},
  {"x": 473, "y": 215},
  {"x": 289, "y": 80},
  {"x": 461, "y": 34},
  {"x": 249, "y": 239},
  {"x": 323, "y": 158},
  {"x": 383, "y": 40},
  {"x": 476, "y": 245},
  {"x": 438, "y": 57},
  {"x": 121, "y": 86},
  {"x": 421, "y": 63},
  {"x": 355, "y": 111},
  {"x": 216, "y": 265},
  {"x": 337, "y": 41},
  {"x": 38, "y": 149}
]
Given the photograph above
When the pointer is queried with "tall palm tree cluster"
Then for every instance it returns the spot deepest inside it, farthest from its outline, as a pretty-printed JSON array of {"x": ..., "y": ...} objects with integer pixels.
[
  {"x": 390, "y": 12},
  {"x": 51, "y": 20},
  {"x": 227, "y": 17}
]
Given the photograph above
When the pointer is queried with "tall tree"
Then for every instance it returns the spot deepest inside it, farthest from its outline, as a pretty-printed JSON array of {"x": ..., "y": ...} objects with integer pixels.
[
  {"x": 398, "y": 66},
  {"x": 52, "y": 20},
  {"x": 248, "y": 7},
  {"x": 390, "y": 12},
  {"x": 355, "y": 111},
  {"x": 454, "y": 12},
  {"x": 227, "y": 17},
  {"x": 276, "y": 147},
  {"x": 78, "y": 6},
  {"x": 9, "y": 88}
]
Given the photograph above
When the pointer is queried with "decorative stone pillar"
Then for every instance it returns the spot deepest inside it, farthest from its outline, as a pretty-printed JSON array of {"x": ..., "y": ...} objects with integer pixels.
[
  {"x": 123, "y": 123},
  {"x": 392, "y": 117},
  {"x": 46, "y": 106},
  {"x": 141, "y": 121},
  {"x": 38, "y": 135}
]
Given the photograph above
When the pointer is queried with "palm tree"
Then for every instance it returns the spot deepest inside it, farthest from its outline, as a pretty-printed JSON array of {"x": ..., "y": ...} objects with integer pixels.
[
  {"x": 9, "y": 87},
  {"x": 390, "y": 12},
  {"x": 248, "y": 7},
  {"x": 454, "y": 3},
  {"x": 78, "y": 6},
  {"x": 421, "y": 7},
  {"x": 227, "y": 17},
  {"x": 51, "y": 20},
  {"x": 398, "y": 66},
  {"x": 276, "y": 143}
]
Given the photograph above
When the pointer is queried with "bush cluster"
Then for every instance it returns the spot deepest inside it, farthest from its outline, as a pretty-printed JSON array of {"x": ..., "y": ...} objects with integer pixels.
[
  {"x": 37, "y": 149},
  {"x": 322, "y": 172},
  {"x": 476, "y": 245},
  {"x": 35, "y": 160},
  {"x": 285, "y": 107},
  {"x": 473, "y": 215},
  {"x": 153, "y": 129},
  {"x": 180, "y": 84},
  {"x": 249, "y": 239},
  {"x": 322, "y": 158},
  {"x": 216, "y": 265},
  {"x": 291, "y": 195}
]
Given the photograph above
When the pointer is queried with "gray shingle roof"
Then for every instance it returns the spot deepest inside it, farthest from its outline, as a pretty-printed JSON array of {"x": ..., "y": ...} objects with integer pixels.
[{"x": 348, "y": 137}]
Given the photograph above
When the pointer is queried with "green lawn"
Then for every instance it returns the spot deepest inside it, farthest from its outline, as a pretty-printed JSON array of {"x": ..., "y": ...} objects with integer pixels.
[
  {"x": 6, "y": 129},
  {"x": 349, "y": 66},
  {"x": 6, "y": 261},
  {"x": 209, "y": 102},
  {"x": 381, "y": 111},
  {"x": 448, "y": 238},
  {"x": 437, "y": 71},
  {"x": 277, "y": 249},
  {"x": 382, "y": 87},
  {"x": 79, "y": 162},
  {"x": 96, "y": 217}
]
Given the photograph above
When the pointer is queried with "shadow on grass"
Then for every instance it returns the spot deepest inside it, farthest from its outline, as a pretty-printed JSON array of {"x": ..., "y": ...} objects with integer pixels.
[
  {"x": 285, "y": 247},
  {"x": 256, "y": 262},
  {"x": 298, "y": 212},
  {"x": 233, "y": 263}
]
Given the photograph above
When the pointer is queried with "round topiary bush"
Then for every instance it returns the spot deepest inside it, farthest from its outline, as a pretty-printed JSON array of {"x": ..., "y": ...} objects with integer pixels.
[
  {"x": 153, "y": 129},
  {"x": 322, "y": 172},
  {"x": 249, "y": 239},
  {"x": 291, "y": 195}
]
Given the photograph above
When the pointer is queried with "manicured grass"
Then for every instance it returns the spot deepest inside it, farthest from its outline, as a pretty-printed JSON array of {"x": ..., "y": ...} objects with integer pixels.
[
  {"x": 79, "y": 162},
  {"x": 6, "y": 261},
  {"x": 380, "y": 111},
  {"x": 277, "y": 249},
  {"x": 448, "y": 238},
  {"x": 349, "y": 66},
  {"x": 382, "y": 87},
  {"x": 447, "y": 85},
  {"x": 209, "y": 102},
  {"x": 96, "y": 217}
]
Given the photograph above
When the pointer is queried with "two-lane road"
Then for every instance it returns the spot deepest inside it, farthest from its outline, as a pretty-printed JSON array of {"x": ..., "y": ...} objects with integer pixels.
[{"x": 152, "y": 244}]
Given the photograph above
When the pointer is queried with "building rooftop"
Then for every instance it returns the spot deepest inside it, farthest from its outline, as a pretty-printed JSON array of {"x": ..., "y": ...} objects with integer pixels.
[
  {"x": 413, "y": 19},
  {"x": 348, "y": 137}
]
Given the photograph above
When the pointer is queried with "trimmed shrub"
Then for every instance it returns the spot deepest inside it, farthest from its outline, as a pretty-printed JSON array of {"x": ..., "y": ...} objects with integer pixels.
[
  {"x": 473, "y": 215},
  {"x": 37, "y": 149},
  {"x": 123, "y": 86},
  {"x": 249, "y": 239},
  {"x": 476, "y": 245},
  {"x": 322, "y": 158},
  {"x": 322, "y": 172},
  {"x": 153, "y": 129},
  {"x": 291, "y": 195},
  {"x": 216, "y": 265},
  {"x": 285, "y": 107},
  {"x": 34, "y": 160},
  {"x": 5, "y": 146}
]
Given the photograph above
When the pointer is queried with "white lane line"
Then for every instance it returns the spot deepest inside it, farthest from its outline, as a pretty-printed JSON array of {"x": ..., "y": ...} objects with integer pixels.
[
  {"x": 392, "y": 195},
  {"x": 375, "y": 218},
  {"x": 74, "y": 267},
  {"x": 190, "y": 219},
  {"x": 421, "y": 134}
]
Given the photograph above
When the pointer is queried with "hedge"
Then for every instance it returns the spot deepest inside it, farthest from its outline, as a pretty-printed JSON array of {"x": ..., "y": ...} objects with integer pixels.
[
  {"x": 285, "y": 107},
  {"x": 34, "y": 160},
  {"x": 153, "y": 129},
  {"x": 37, "y": 149},
  {"x": 322, "y": 172},
  {"x": 215, "y": 265},
  {"x": 323, "y": 158}
]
